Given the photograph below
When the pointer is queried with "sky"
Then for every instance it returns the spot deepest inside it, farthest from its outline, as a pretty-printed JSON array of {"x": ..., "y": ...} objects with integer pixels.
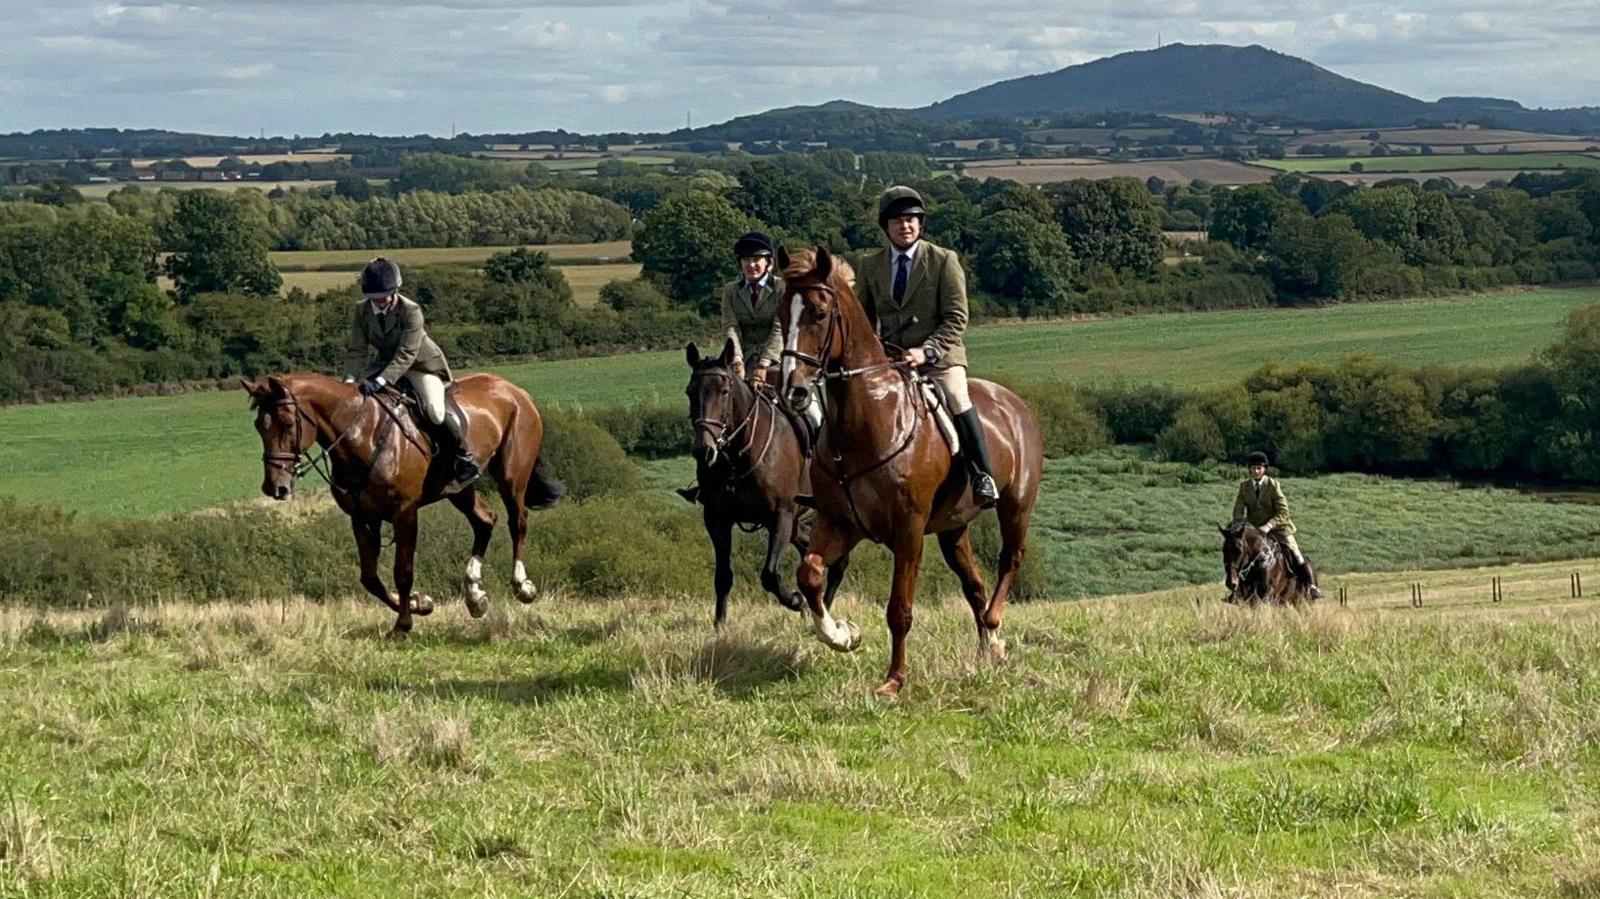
[{"x": 404, "y": 67}]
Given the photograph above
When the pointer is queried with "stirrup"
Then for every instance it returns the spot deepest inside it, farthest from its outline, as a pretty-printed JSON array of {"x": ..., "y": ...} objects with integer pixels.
[
  {"x": 984, "y": 490},
  {"x": 466, "y": 470}
]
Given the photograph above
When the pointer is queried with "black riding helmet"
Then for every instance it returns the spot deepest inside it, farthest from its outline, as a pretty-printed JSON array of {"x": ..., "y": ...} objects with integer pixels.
[
  {"x": 897, "y": 201},
  {"x": 753, "y": 243},
  {"x": 380, "y": 278},
  {"x": 1257, "y": 458}
]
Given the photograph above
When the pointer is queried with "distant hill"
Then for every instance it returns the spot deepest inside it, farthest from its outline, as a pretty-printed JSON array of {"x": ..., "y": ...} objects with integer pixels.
[{"x": 1183, "y": 78}]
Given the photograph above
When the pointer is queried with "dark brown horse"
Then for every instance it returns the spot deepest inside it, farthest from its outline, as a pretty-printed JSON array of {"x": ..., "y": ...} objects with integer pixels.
[
  {"x": 378, "y": 468},
  {"x": 1257, "y": 569},
  {"x": 882, "y": 470},
  {"x": 751, "y": 465}
]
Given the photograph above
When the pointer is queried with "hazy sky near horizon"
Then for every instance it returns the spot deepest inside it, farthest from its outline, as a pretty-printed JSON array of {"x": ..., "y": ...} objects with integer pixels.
[{"x": 406, "y": 66}]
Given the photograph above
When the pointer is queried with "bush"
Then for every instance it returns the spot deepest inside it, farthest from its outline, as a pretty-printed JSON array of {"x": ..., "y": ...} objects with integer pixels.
[
  {"x": 1192, "y": 437},
  {"x": 1067, "y": 424},
  {"x": 656, "y": 432},
  {"x": 588, "y": 459},
  {"x": 1136, "y": 414}
]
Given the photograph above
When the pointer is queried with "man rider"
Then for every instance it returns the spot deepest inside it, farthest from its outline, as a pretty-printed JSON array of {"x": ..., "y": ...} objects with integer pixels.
[
  {"x": 1261, "y": 503},
  {"x": 915, "y": 292},
  {"x": 392, "y": 324}
]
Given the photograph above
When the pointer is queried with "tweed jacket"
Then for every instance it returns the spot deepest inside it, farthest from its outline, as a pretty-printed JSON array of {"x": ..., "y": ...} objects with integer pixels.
[
  {"x": 1261, "y": 506},
  {"x": 934, "y": 308},
  {"x": 757, "y": 325},
  {"x": 398, "y": 337}
]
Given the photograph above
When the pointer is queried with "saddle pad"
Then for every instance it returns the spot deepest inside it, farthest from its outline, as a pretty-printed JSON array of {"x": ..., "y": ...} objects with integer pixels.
[{"x": 934, "y": 397}]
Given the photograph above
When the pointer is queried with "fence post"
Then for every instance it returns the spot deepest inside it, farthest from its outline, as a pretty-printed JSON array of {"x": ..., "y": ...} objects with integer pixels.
[
  {"x": 1416, "y": 595},
  {"x": 1344, "y": 597}
]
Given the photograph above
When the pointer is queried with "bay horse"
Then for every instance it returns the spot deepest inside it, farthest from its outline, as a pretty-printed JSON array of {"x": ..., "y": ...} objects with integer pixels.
[
  {"x": 752, "y": 466},
  {"x": 1256, "y": 568},
  {"x": 377, "y": 465},
  {"x": 883, "y": 471}
]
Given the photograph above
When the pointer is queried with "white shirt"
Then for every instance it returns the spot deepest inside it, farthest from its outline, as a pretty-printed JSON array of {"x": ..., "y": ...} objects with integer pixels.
[{"x": 910, "y": 253}]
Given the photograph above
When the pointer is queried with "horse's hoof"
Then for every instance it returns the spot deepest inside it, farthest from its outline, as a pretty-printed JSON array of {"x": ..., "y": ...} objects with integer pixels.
[
  {"x": 478, "y": 607},
  {"x": 396, "y": 635},
  {"x": 527, "y": 592},
  {"x": 993, "y": 651},
  {"x": 889, "y": 689},
  {"x": 422, "y": 605},
  {"x": 855, "y": 637}
]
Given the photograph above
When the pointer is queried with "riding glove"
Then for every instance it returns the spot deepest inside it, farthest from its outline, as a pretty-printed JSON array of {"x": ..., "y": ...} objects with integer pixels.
[{"x": 371, "y": 386}]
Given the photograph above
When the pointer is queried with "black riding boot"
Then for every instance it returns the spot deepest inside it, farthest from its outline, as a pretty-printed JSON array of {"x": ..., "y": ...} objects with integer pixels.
[
  {"x": 1308, "y": 576},
  {"x": 466, "y": 467},
  {"x": 690, "y": 493},
  {"x": 976, "y": 450}
]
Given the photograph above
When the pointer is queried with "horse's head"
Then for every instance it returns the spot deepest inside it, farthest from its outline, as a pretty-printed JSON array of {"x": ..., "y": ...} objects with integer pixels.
[
  {"x": 811, "y": 318},
  {"x": 286, "y": 433},
  {"x": 712, "y": 384},
  {"x": 1237, "y": 547}
]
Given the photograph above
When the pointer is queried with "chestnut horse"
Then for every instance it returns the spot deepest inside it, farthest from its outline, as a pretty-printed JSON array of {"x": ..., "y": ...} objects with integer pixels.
[
  {"x": 378, "y": 468},
  {"x": 883, "y": 471},
  {"x": 751, "y": 466},
  {"x": 1257, "y": 569}
]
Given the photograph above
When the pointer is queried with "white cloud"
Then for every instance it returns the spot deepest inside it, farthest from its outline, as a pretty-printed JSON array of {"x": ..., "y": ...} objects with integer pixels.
[
  {"x": 244, "y": 73},
  {"x": 410, "y": 65}
]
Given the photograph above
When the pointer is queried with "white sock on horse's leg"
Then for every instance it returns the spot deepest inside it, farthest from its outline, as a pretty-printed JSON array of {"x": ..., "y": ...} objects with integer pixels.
[
  {"x": 519, "y": 576},
  {"x": 475, "y": 591}
]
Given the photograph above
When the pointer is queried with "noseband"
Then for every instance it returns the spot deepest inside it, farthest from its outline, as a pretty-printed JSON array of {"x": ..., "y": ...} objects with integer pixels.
[
  {"x": 722, "y": 436},
  {"x": 1263, "y": 559}
]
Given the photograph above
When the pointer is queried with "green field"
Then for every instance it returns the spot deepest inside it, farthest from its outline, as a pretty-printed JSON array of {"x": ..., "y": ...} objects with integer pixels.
[
  {"x": 1140, "y": 746},
  {"x": 353, "y": 260},
  {"x": 585, "y": 280},
  {"x": 174, "y": 454},
  {"x": 1439, "y": 162},
  {"x": 101, "y": 191}
]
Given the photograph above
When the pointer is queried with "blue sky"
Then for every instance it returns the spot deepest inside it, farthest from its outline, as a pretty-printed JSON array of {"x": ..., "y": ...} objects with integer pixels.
[{"x": 402, "y": 67}]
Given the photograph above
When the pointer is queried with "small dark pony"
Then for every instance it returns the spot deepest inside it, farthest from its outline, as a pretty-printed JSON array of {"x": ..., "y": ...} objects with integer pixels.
[
  {"x": 1258, "y": 569},
  {"x": 751, "y": 465}
]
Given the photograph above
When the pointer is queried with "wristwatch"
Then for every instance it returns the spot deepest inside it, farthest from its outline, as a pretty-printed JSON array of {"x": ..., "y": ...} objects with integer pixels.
[{"x": 931, "y": 352}]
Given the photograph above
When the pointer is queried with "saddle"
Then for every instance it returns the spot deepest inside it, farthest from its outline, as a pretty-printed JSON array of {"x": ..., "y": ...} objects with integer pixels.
[{"x": 413, "y": 404}]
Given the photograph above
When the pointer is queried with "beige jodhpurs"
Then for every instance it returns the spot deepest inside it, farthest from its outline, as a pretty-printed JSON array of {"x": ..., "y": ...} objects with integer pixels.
[
  {"x": 430, "y": 392},
  {"x": 1287, "y": 542},
  {"x": 954, "y": 382}
]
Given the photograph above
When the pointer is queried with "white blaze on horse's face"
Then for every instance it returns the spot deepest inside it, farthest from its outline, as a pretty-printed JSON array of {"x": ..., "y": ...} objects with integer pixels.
[{"x": 796, "y": 306}]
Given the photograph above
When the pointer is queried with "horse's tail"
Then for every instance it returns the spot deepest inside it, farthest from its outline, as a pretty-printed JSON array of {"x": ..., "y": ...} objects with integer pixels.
[{"x": 544, "y": 488}]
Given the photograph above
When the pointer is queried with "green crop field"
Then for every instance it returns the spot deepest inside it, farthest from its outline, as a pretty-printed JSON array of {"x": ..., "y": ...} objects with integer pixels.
[
  {"x": 353, "y": 260},
  {"x": 1439, "y": 162},
  {"x": 142, "y": 456},
  {"x": 585, "y": 280},
  {"x": 1152, "y": 745}
]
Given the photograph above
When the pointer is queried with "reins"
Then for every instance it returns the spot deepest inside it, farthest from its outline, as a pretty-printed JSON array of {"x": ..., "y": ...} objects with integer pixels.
[{"x": 299, "y": 462}]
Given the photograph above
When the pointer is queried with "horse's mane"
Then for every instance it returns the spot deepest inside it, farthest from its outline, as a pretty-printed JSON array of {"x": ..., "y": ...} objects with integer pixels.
[{"x": 803, "y": 262}]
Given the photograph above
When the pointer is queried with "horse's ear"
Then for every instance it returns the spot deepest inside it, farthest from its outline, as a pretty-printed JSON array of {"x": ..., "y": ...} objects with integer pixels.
[
  {"x": 1223, "y": 529},
  {"x": 691, "y": 353},
  {"x": 783, "y": 259},
  {"x": 728, "y": 351},
  {"x": 251, "y": 387},
  {"x": 823, "y": 270}
]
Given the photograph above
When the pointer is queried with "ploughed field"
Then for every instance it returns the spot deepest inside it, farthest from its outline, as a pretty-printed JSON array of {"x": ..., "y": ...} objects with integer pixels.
[
  {"x": 1438, "y": 162},
  {"x": 156, "y": 455},
  {"x": 1147, "y": 745}
]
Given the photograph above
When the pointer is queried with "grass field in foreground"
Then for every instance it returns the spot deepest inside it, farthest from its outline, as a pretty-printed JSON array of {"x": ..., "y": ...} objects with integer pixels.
[
  {"x": 1438, "y": 162},
  {"x": 140, "y": 456},
  {"x": 1139, "y": 746},
  {"x": 353, "y": 260}
]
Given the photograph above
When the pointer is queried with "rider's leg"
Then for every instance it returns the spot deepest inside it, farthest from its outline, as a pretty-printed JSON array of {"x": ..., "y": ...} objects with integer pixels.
[
  {"x": 970, "y": 428},
  {"x": 1302, "y": 565},
  {"x": 430, "y": 392}
]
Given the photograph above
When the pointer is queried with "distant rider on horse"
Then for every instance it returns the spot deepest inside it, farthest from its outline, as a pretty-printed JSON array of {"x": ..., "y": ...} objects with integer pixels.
[
  {"x": 392, "y": 324},
  {"x": 915, "y": 293},
  {"x": 750, "y": 306},
  {"x": 1261, "y": 503},
  {"x": 750, "y": 315}
]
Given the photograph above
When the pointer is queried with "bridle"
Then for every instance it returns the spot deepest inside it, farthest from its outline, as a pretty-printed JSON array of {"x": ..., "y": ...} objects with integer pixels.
[
  {"x": 837, "y": 329},
  {"x": 301, "y": 461},
  {"x": 1262, "y": 560},
  {"x": 722, "y": 436}
]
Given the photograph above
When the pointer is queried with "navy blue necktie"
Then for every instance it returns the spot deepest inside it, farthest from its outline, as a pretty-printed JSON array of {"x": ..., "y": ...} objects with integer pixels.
[{"x": 900, "y": 274}]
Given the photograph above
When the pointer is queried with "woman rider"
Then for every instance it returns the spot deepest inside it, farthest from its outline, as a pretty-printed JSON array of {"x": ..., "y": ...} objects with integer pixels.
[
  {"x": 750, "y": 315},
  {"x": 750, "y": 306},
  {"x": 392, "y": 324}
]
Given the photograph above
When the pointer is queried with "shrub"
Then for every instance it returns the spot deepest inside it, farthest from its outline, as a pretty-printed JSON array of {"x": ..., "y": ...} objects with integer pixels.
[
  {"x": 1067, "y": 423},
  {"x": 1136, "y": 414},
  {"x": 1193, "y": 436},
  {"x": 588, "y": 459}
]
